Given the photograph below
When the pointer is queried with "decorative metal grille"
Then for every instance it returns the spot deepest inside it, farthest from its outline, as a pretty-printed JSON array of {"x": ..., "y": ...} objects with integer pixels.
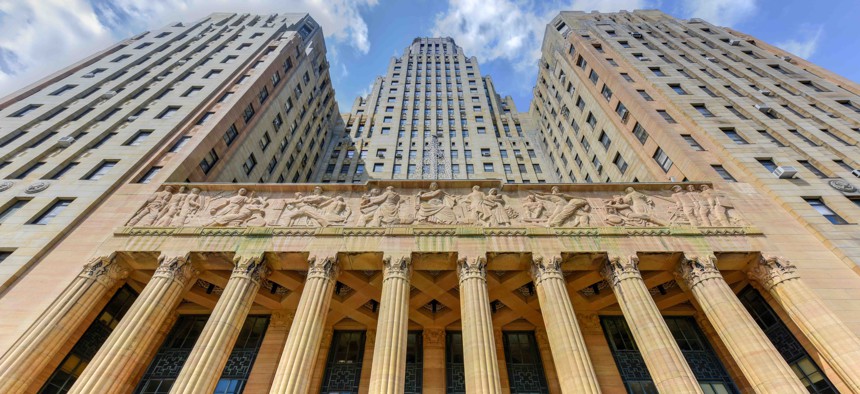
[
  {"x": 525, "y": 369},
  {"x": 455, "y": 370},
  {"x": 343, "y": 368},
  {"x": 414, "y": 363}
]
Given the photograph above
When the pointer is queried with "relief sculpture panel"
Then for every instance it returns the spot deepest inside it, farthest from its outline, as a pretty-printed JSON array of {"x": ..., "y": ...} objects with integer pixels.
[{"x": 380, "y": 205}]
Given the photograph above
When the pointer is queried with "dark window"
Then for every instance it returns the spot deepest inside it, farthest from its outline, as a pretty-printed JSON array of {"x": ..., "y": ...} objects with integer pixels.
[
  {"x": 231, "y": 134},
  {"x": 85, "y": 349},
  {"x": 662, "y": 159},
  {"x": 734, "y": 136},
  {"x": 812, "y": 168},
  {"x": 522, "y": 357},
  {"x": 52, "y": 212},
  {"x": 824, "y": 210},
  {"x": 455, "y": 369},
  {"x": 100, "y": 171},
  {"x": 29, "y": 170},
  {"x": 414, "y": 362},
  {"x": 692, "y": 141},
  {"x": 209, "y": 161},
  {"x": 703, "y": 110},
  {"x": 12, "y": 208},
  {"x": 723, "y": 173},
  {"x": 640, "y": 133},
  {"x": 768, "y": 164},
  {"x": 68, "y": 167},
  {"x": 666, "y": 116},
  {"x": 343, "y": 367},
  {"x": 138, "y": 138}
]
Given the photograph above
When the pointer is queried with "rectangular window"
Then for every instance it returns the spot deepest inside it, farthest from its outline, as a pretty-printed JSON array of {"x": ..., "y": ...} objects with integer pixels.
[
  {"x": 249, "y": 164},
  {"x": 24, "y": 111},
  {"x": 28, "y": 171},
  {"x": 248, "y": 113},
  {"x": 138, "y": 138},
  {"x": 604, "y": 140},
  {"x": 703, "y": 110},
  {"x": 149, "y": 175},
  {"x": 212, "y": 73},
  {"x": 100, "y": 171},
  {"x": 768, "y": 164},
  {"x": 812, "y": 168},
  {"x": 53, "y": 211},
  {"x": 640, "y": 133},
  {"x": 64, "y": 170},
  {"x": 167, "y": 113},
  {"x": 593, "y": 77},
  {"x": 678, "y": 89},
  {"x": 723, "y": 173},
  {"x": 606, "y": 92},
  {"x": 620, "y": 163},
  {"x": 63, "y": 89},
  {"x": 231, "y": 134},
  {"x": 10, "y": 209},
  {"x": 657, "y": 71},
  {"x": 662, "y": 159},
  {"x": 192, "y": 91},
  {"x": 734, "y": 136},
  {"x": 666, "y": 116},
  {"x": 824, "y": 210},
  {"x": 488, "y": 167},
  {"x": 645, "y": 95}
]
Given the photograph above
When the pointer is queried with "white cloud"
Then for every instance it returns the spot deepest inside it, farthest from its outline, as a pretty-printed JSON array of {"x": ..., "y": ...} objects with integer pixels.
[
  {"x": 720, "y": 12},
  {"x": 806, "y": 46},
  {"x": 65, "y": 31}
]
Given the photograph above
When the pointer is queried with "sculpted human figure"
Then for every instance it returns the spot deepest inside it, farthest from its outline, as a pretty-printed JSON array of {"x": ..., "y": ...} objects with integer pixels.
[
  {"x": 190, "y": 206},
  {"x": 381, "y": 209},
  {"x": 534, "y": 209},
  {"x": 635, "y": 206},
  {"x": 172, "y": 207},
  {"x": 499, "y": 215},
  {"x": 479, "y": 213},
  {"x": 684, "y": 204},
  {"x": 315, "y": 209},
  {"x": 366, "y": 209},
  {"x": 703, "y": 209},
  {"x": 567, "y": 208},
  {"x": 722, "y": 208},
  {"x": 148, "y": 214},
  {"x": 235, "y": 210},
  {"x": 435, "y": 206}
]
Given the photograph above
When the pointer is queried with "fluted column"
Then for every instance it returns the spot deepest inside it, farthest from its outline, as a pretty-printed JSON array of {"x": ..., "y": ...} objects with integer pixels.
[
  {"x": 299, "y": 356},
  {"x": 836, "y": 343},
  {"x": 666, "y": 364},
  {"x": 23, "y": 362},
  {"x": 204, "y": 365},
  {"x": 479, "y": 346},
  {"x": 575, "y": 372},
  {"x": 389, "y": 354},
  {"x": 755, "y": 355},
  {"x": 126, "y": 348}
]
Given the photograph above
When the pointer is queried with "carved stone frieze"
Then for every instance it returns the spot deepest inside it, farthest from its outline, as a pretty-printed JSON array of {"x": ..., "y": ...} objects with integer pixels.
[
  {"x": 770, "y": 271},
  {"x": 466, "y": 205}
]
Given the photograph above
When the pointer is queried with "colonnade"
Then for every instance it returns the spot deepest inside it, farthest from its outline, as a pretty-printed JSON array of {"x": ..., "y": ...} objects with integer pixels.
[{"x": 127, "y": 346}]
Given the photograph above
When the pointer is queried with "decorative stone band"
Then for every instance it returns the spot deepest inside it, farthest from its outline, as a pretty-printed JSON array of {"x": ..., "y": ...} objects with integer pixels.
[
  {"x": 697, "y": 269},
  {"x": 322, "y": 267},
  {"x": 396, "y": 267},
  {"x": 472, "y": 268},
  {"x": 619, "y": 268},
  {"x": 250, "y": 267},
  {"x": 105, "y": 269},
  {"x": 770, "y": 271},
  {"x": 177, "y": 268},
  {"x": 546, "y": 268}
]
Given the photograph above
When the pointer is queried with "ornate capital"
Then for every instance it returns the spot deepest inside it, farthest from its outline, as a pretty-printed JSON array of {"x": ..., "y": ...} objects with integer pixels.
[
  {"x": 434, "y": 338},
  {"x": 177, "y": 268},
  {"x": 697, "y": 269},
  {"x": 770, "y": 271},
  {"x": 105, "y": 270},
  {"x": 475, "y": 267},
  {"x": 546, "y": 268},
  {"x": 322, "y": 267},
  {"x": 396, "y": 267},
  {"x": 619, "y": 268},
  {"x": 250, "y": 267}
]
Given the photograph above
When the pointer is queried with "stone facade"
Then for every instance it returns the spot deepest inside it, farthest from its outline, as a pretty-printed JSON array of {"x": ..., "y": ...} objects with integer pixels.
[{"x": 378, "y": 282}]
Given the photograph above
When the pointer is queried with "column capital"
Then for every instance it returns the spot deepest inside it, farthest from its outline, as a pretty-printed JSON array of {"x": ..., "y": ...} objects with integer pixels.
[
  {"x": 618, "y": 268},
  {"x": 543, "y": 268},
  {"x": 695, "y": 269},
  {"x": 396, "y": 267},
  {"x": 770, "y": 271},
  {"x": 105, "y": 269},
  {"x": 472, "y": 267},
  {"x": 252, "y": 267},
  {"x": 434, "y": 337},
  {"x": 177, "y": 268},
  {"x": 324, "y": 267}
]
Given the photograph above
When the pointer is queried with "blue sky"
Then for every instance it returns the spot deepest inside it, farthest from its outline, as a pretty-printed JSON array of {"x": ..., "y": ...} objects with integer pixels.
[{"x": 362, "y": 35}]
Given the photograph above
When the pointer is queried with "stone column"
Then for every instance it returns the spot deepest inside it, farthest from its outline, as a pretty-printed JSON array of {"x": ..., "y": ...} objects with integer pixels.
[
  {"x": 299, "y": 356},
  {"x": 389, "y": 354},
  {"x": 204, "y": 366},
  {"x": 547, "y": 360},
  {"x": 26, "y": 359},
  {"x": 127, "y": 347},
  {"x": 669, "y": 370},
  {"x": 837, "y": 344},
  {"x": 575, "y": 372},
  {"x": 479, "y": 346},
  {"x": 763, "y": 366},
  {"x": 434, "y": 361}
]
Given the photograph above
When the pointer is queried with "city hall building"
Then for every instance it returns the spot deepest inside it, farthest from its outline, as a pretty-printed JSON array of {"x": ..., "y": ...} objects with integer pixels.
[{"x": 188, "y": 211}]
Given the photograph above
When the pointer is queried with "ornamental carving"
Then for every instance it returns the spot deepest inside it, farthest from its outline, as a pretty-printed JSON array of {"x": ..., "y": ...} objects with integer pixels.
[
  {"x": 842, "y": 185},
  {"x": 6, "y": 185},
  {"x": 544, "y": 268},
  {"x": 37, "y": 187},
  {"x": 176, "y": 268},
  {"x": 105, "y": 269},
  {"x": 322, "y": 267},
  {"x": 469, "y": 268},
  {"x": 397, "y": 267},
  {"x": 619, "y": 268},
  {"x": 697, "y": 269},
  {"x": 250, "y": 267},
  {"x": 770, "y": 271},
  {"x": 434, "y": 337},
  {"x": 395, "y": 204}
]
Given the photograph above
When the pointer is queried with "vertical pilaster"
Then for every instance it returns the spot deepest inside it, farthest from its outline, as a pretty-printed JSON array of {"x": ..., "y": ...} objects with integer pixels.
[
  {"x": 389, "y": 354},
  {"x": 204, "y": 366},
  {"x": 504, "y": 381},
  {"x": 367, "y": 362},
  {"x": 575, "y": 372},
  {"x": 760, "y": 362},
  {"x": 836, "y": 343},
  {"x": 666, "y": 364},
  {"x": 126, "y": 349},
  {"x": 300, "y": 353},
  {"x": 547, "y": 361},
  {"x": 23, "y": 362},
  {"x": 479, "y": 347},
  {"x": 434, "y": 361}
]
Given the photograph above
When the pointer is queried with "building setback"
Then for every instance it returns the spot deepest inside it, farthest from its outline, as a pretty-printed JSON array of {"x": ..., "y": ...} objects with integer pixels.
[{"x": 188, "y": 211}]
